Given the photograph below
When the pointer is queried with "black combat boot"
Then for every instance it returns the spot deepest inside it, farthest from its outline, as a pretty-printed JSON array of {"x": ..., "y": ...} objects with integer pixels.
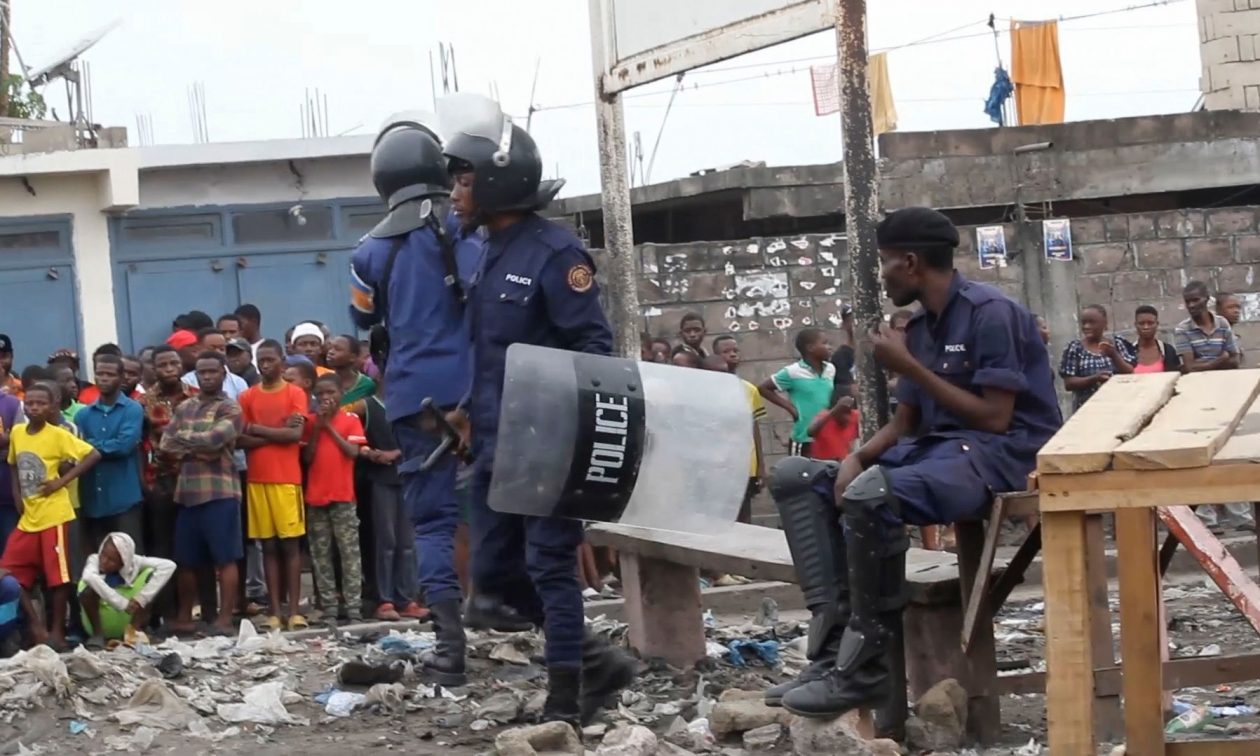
[
  {"x": 816, "y": 541},
  {"x": 563, "y": 688},
  {"x": 605, "y": 671},
  {"x": 445, "y": 663},
  {"x": 876, "y": 544},
  {"x": 489, "y": 613}
]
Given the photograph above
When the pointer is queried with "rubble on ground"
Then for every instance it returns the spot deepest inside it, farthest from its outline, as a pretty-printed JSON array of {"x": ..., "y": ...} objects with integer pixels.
[{"x": 239, "y": 694}]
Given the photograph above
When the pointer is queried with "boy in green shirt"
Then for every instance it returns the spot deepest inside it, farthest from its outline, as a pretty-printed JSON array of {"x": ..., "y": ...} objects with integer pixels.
[{"x": 803, "y": 389}]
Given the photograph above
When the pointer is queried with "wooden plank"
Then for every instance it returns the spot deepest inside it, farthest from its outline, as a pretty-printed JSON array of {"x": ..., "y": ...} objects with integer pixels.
[
  {"x": 1243, "y": 447},
  {"x": 984, "y": 717},
  {"x": 663, "y": 609},
  {"x": 1143, "y": 683},
  {"x": 1108, "y": 719},
  {"x": 975, "y": 587},
  {"x": 1013, "y": 575},
  {"x": 1128, "y": 489},
  {"x": 1216, "y": 561},
  {"x": 1194, "y": 425},
  {"x": 1214, "y": 747},
  {"x": 762, "y": 553},
  {"x": 1190, "y": 672},
  {"x": 1115, "y": 414},
  {"x": 1069, "y": 652}
]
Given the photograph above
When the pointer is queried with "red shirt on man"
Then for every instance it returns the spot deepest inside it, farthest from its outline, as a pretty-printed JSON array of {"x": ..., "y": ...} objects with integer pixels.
[{"x": 330, "y": 478}]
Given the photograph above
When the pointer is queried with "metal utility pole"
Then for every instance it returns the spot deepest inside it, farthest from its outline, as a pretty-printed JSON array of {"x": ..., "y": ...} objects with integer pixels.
[
  {"x": 861, "y": 206},
  {"x": 621, "y": 267},
  {"x": 5, "y": 37}
]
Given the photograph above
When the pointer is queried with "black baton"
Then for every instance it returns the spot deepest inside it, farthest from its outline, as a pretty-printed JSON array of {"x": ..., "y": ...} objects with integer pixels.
[{"x": 450, "y": 437}]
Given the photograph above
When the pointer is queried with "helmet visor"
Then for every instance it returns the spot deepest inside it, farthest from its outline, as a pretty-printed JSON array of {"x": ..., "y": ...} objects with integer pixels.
[{"x": 475, "y": 116}]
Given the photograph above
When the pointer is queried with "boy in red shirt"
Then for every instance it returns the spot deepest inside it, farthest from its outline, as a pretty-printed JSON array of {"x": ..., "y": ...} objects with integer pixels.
[
  {"x": 275, "y": 413},
  {"x": 335, "y": 441},
  {"x": 834, "y": 430}
]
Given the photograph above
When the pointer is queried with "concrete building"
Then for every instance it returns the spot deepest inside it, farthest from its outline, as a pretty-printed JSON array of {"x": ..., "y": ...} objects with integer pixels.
[
  {"x": 1229, "y": 48},
  {"x": 108, "y": 245}
]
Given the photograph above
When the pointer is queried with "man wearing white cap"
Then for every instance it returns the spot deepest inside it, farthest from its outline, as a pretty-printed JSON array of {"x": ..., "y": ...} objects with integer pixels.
[{"x": 308, "y": 340}]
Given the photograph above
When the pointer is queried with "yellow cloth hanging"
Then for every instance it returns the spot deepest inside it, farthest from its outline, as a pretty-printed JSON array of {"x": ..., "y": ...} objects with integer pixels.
[
  {"x": 1036, "y": 72},
  {"x": 883, "y": 110}
]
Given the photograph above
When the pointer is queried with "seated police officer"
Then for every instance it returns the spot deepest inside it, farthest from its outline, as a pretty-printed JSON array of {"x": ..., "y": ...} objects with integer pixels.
[{"x": 976, "y": 380}]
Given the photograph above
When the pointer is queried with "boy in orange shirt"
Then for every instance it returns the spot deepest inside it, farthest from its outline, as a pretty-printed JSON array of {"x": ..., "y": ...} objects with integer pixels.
[
  {"x": 335, "y": 441},
  {"x": 834, "y": 430},
  {"x": 275, "y": 413}
]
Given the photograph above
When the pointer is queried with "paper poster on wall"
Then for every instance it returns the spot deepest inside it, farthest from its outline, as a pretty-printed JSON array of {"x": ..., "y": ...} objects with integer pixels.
[
  {"x": 1056, "y": 236},
  {"x": 991, "y": 246}
]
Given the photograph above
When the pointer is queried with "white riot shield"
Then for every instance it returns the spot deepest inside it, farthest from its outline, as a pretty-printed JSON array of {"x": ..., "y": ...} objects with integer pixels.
[{"x": 615, "y": 440}]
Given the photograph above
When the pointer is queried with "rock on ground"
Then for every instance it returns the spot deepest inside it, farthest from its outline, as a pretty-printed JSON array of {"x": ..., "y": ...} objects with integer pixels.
[
  {"x": 825, "y": 737},
  {"x": 550, "y": 737},
  {"x": 729, "y": 717},
  {"x": 635, "y": 740},
  {"x": 763, "y": 738},
  {"x": 941, "y": 718}
]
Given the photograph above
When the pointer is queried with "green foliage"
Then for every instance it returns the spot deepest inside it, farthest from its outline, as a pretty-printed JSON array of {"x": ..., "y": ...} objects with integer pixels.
[{"x": 24, "y": 102}]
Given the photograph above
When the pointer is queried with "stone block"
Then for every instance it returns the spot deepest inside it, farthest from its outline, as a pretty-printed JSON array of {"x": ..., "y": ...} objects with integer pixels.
[
  {"x": 1176, "y": 280},
  {"x": 765, "y": 345},
  {"x": 1138, "y": 285},
  {"x": 1159, "y": 253},
  {"x": 1237, "y": 279},
  {"x": 731, "y": 717},
  {"x": 651, "y": 292},
  {"x": 844, "y": 735},
  {"x": 1142, "y": 227},
  {"x": 1180, "y": 223},
  {"x": 1105, "y": 258},
  {"x": 1088, "y": 230},
  {"x": 799, "y": 250},
  {"x": 1231, "y": 221},
  {"x": 1247, "y": 249},
  {"x": 816, "y": 280},
  {"x": 1210, "y": 251},
  {"x": 1095, "y": 289},
  {"x": 708, "y": 286},
  {"x": 1117, "y": 227}
]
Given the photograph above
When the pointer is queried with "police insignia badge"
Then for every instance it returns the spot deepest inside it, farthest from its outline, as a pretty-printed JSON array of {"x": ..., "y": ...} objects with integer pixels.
[{"x": 581, "y": 278}]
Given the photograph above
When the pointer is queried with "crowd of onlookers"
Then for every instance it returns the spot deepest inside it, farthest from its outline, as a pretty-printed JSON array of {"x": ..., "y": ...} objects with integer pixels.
[{"x": 186, "y": 477}]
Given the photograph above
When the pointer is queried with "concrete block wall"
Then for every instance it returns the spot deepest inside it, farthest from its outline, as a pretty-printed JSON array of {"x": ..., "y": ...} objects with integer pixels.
[
  {"x": 1229, "y": 50},
  {"x": 764, "y": 290}
]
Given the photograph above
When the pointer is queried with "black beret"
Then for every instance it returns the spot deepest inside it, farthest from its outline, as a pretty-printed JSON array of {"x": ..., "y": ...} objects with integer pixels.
[{"x": 916, "y": 228}]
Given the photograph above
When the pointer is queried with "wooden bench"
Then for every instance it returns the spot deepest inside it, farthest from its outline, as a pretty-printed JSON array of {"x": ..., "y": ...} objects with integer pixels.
[{"x": 661, "y": 583}]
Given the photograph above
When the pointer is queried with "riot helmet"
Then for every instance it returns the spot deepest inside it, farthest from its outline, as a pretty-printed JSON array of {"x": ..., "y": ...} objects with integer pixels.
[
  {"x": 408, "y": 167},
  {"x": 506, "y": 162}
]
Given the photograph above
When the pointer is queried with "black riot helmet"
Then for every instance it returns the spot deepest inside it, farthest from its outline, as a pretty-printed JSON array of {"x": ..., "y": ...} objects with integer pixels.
[
  {"x": 408, "y": 167},
  {"x": 504, "y": 157}
]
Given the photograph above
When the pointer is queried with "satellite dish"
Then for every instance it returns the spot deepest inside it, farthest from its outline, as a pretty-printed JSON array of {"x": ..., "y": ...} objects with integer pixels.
[{"x": 60, "y": 67}]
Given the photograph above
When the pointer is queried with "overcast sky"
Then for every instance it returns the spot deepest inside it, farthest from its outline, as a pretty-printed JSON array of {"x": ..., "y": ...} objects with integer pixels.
[{"x": 371, "y": 57}]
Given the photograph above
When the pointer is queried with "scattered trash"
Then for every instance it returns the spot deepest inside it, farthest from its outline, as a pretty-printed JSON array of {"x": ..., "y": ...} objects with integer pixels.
[
  {"x": 362, "y": 672},
  {"x": 1191, "y": 720},
  {"x": 742, "y": 650},
  {"x": 768, "y": 612},
  {"x": 137, "y": 742},
  {"x": 1181, "y": 706},
  {"x": 438, "y": 691},
  {"x": 46, "y": 666},
  {"x": 77, "y": 727},
  {"x": 263, "y": 704},
  {"x": 405, "y": 644},
  {"x": 390, "y": 697},
  {"x": 1031, "y": 748},
  {"x": 341, "y": 703},
  {"x": 82, "y": 664},
  {"x": 508, "y": 652},
  {"x": 480, "y": 725},
  {"x": 714, "y": 650},
  {"x": 1212, "y": 649},
  {"x": 710, "y": 622},
  {"x": 155, "y": 705},
  {"x": 171, "y": 666}
]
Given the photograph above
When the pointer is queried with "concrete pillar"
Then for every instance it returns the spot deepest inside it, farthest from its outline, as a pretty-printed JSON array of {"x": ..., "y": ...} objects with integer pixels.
[{"x": 1229, "y": 49}]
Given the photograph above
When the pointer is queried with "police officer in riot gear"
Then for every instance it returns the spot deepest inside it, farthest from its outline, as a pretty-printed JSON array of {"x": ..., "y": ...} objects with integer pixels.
[
  {"x": 406, "y": 287},
  {"x": 535, "y": 285},
  {"x": 975, "y": 402}
]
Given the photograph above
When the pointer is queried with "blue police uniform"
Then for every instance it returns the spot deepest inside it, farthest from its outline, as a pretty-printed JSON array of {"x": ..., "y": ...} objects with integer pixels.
[
  {"x": 429, "y": 357},
  {"x": 981, "y": 339},
  {"x": 535, "y": 286}
]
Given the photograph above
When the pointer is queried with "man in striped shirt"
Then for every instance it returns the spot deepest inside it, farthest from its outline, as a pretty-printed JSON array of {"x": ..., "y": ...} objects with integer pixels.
[{"x": 1205, "y": 341}]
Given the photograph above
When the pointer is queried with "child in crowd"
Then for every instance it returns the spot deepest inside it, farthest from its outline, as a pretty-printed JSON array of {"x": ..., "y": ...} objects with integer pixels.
[
  {"x": 804, "y": 388},
  {"x": 40, "y": 546},
  {"x": 10, "y": 614},
  {"x": 117, "y": 588},
  {"x": 834, "y": 430},
  {"x": 396, "y": 578},
  {"x": 300, "y": 372},
  {"x": 721, "y": 363},
  {"x": 728, "y": 349},
  {"x": 691, "y": 330},
  {"x": 275, "y": 413},
  {"x": 334, "y": 442},
  {"x": 685, "y": 357}
]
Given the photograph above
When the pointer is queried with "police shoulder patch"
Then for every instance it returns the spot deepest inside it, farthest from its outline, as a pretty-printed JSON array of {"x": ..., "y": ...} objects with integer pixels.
[{"x": 581, "y": 278}]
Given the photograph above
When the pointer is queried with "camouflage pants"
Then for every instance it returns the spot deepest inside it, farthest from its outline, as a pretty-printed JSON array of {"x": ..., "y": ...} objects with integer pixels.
[{"x": 337, "y": 521}]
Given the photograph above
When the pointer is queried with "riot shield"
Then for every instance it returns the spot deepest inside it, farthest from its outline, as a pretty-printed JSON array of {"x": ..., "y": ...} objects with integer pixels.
[{"x": 615, "y": 440}]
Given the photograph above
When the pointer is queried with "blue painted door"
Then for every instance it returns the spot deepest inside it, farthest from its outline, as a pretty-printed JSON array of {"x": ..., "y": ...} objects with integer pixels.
[
  {"x": 37, "y": 311},
  {"x": 296, "y": 286},
  {"x": 160, "y": 290}
]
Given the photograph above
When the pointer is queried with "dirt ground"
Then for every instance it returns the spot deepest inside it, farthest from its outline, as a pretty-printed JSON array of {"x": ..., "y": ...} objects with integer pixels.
[{"x": 505, "y": 690}]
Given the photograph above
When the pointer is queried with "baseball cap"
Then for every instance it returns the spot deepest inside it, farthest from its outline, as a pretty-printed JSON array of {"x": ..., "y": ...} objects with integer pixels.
[
  {"x": 181, "y": 338},
  {"x": 238, "y": 343},
  {"x": 6, "y": 344}
]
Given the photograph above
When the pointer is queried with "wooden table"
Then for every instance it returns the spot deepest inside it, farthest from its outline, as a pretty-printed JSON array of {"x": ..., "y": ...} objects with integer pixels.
[{"x": 1142, "y": 442}]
